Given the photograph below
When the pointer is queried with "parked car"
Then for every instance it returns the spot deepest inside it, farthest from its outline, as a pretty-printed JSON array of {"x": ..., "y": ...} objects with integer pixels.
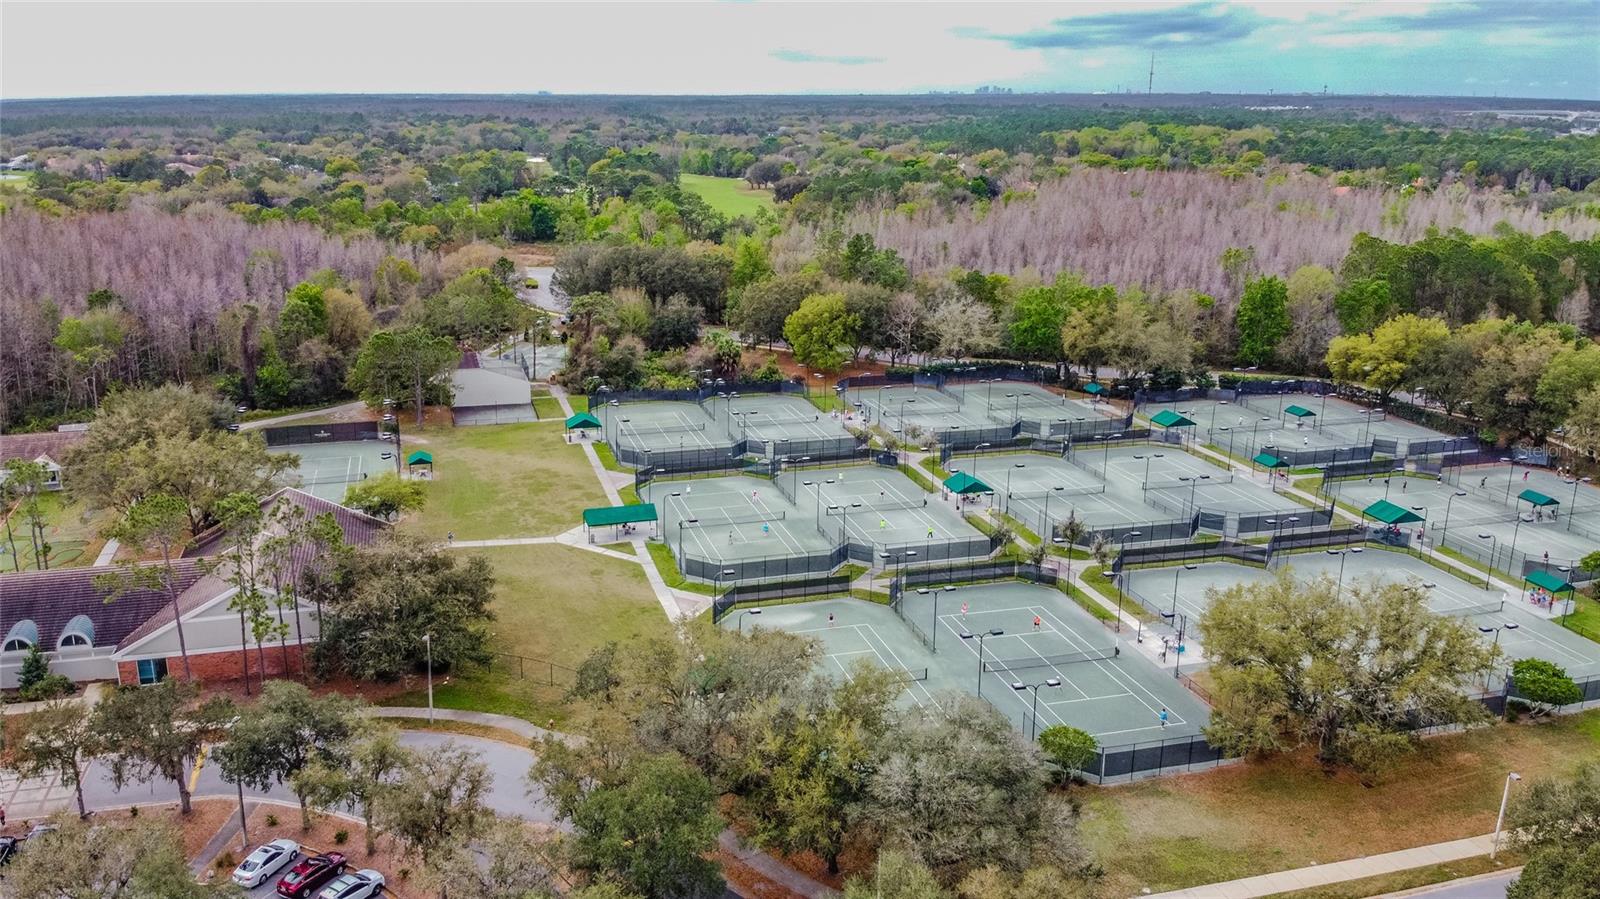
[
  {"x": 40, "y": 830},
  {"x": 266, "y": 861},
  {"x": 363, "y": 884},
  {"x": 8, "y": 848},
  {"x": 312, "y": 872}
]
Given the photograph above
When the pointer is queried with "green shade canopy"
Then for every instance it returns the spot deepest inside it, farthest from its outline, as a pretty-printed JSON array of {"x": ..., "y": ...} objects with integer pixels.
[
  {"x": 583, "y": 420},
  {"x": 1268, "y": 460},
  {"x": 1548, "y": 582},
  {"x": 419, "y": 457},
  {"x": 611, "y": 515},
  {"x": 1093, "y": 389},
  {"x": 964, "y": 483},
  {"x": 1300, "y": 412},
  {"x": 1389, "y": 513},
  {"x": 1167, "y": 418},
  {"x": 1537, "y": 498}
]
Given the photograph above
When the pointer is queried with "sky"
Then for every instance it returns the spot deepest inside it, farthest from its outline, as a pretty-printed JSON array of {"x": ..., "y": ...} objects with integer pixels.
[{"x": 1518, "y": 48}]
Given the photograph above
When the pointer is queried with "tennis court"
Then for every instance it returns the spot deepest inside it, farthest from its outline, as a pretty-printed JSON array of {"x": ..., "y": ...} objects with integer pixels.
[
  {"x": 328, "y": 469},
  {"x": 737, "y": 520},
  {"x": 1482, "y": 510},
  {"x": 917, "y": 408},
  {"x": 1348, "y": 423},
  {"x": 774, "y": 417},
  {"x": 1003, "y": 402},
  {"x": 1529, "y": 635},
  {"x": 1578, "y": 513},
  {"x": 661, "y": 426},
  {"x": 1178, "y": 481}
]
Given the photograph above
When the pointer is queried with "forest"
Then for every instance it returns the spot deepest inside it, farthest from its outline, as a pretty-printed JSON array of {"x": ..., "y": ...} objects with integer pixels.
[{"x": 268, "y": 249}]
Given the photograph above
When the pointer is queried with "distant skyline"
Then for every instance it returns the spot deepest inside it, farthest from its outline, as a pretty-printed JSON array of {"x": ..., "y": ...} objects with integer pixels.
[{"x": 1510, "y": 48}]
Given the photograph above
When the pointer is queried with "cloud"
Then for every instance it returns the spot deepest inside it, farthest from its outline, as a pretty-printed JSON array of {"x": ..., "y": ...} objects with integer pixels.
[
  {"x": 786, "y": 55},
  {"x": 1195, "y": 25}
]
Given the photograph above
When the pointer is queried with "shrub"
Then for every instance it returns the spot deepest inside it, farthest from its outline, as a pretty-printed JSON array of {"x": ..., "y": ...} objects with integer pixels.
[
  {"x": 53, "y": 686},
  {"x": 340, "y": 837},
  {"x": 272, "y": 820}
]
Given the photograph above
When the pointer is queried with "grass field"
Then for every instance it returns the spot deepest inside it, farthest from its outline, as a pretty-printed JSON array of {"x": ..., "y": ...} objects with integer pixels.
[
  {"x": 1254, "y": 818},
  {"x": 73, "y": 533},
  {"x": 519, "y": 480},
  {"x": 729, "y": 196},
  {"x": 594, "y": 600}
]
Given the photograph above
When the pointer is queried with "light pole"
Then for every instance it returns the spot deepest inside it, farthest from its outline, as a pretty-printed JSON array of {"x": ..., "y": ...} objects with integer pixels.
[
  {"x": 1496, "y": 629},
  {"x": 393, "y": 417},
  {"x": 1175, "y": 573},
  {"x": 1230, "y": 441},
  {"x": 976, "y": 451},
  {"x": 1446, "y": 528},
  {"x": 427, "y": 643},
  {"x": 817, "y": 496},
  {"x": 1049, "y": 531},
  {"x": 740, "y": 619},
  {"x": 1033, "y": 718},
  {"x": 1338, "y": 590},
  {"x": 1014, "y": 466},
  {"x": 1512, "y": 476},
  {"x": 1572, "y": 507},
  {"x": 903, "y": 403},
  {"x": 1182, "y": 621},
  {"x": 1213, "y": 425},
  {"x": 1255, "y": 434},
  {"x": 992, "y": 632},
  {"x": 1500, "y": 819},
  {"x": 1147, "y": 458},
  {"x": 1194, "y": 482},
  {"x": 1494, "y": 544}
]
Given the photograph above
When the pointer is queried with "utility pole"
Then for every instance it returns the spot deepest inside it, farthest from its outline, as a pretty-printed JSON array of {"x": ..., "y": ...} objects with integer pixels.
[{"x": 1151, "y": 84}]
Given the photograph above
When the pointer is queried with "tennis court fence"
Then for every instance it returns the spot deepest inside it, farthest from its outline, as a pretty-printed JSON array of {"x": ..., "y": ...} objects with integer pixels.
[
  {"x": 738, "y": 595},
  {"x": 286, "y": 435},
  {"x": 539, "y": 671}
]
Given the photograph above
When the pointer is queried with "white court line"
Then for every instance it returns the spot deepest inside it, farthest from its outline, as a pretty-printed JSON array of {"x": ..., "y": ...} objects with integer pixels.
[
  {"x": 1116, "y": 675},
  {"x": 883, "y": 663}
]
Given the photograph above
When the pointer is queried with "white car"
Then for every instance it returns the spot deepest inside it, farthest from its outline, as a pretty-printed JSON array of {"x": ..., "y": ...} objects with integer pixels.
[
  {"x": 266, "y": 861},
  {"x": 363, "y": 884}
]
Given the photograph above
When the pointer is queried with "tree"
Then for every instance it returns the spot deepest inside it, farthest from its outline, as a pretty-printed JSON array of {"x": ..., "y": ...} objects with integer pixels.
[
  {"x": 477, "y": 307},
  {"x": 1583, "y": 424},
  {"x": 1036, "y": 321},
  {"x": 27, "y": 480},
  {"x": 1544, "y": 684},
  {"x": 1558, "y": 823},
  {"x": 504, "y": 863},
  {"x": 413, "y": 359},
  {"x": 811, "y": 758},
  {"x": 157, "y": 521},
  {"x": 243, "y": 567},
  {"x": 160, "y": 729},
  {"x": 750, "y": 263},
  {"x": 1262, "y": 319},
  {"x": 58, "y": 741},
  {"x": 903, "y": 326},
  {"x": 35, "y": 668},
  {"x": 897, "y": 875},
  {"x": 386, "y": 496},
  {"x": 673, "y": 324},
  {"x": 1363, "y": 304},
  {"x": 1384, "y": 360},
  {"x": 92, "y": 342},
  {"x": 138, "y": 859},
  {"x": 436, "y": 804},
  {"x": 394, "y": 591},
  {"x": 759, "y": 309},
  {"x": 962, "y": 329},
  {"x": 1069, "y": 747},
  {"x": 765, "y": 172},
  {"x": 372, "y": 762},
  {"x": 1300, "y": 664},
  {"x": 287, "y": 730},
  {"x": 987, "y": 804},
  {"x": 819, "y": 331},
  {"x": 652, "y": 831},
  {"x": 544, "y": 218},
  {"x": 1312, "y": 322}
]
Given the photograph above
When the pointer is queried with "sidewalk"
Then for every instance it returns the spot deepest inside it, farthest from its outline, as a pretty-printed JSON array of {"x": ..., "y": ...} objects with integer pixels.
[{"x": 1337, "y": 872}]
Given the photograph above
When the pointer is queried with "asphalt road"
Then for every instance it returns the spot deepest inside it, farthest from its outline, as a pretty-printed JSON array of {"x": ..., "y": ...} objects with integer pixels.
[
  {"x": 508, "y": 766},
  {"x": 1469, "y": 888}
]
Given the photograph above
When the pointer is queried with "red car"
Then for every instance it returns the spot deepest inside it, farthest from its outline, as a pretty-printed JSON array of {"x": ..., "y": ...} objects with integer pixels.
[{"x": 312, "y": 872}]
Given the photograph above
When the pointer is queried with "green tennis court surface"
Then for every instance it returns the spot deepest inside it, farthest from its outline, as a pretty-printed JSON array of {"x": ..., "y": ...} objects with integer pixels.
[
  {"x": 328, "y": 469},
  {"x": 661, "y": 426},
  {"x": 774, "y": 416},
  {"x": 1118, "y": 698}
]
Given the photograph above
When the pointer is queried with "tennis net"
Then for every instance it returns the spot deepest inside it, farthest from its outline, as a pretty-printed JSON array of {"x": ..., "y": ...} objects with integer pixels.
[
  {"x": 1000, "y": 666},
  {"x": 861, "y": 505},
  {"x": 1064, "y": 491},
  {"x": 636, "y": 430},
  {"x": 1469, "y": 611},
  {"x": 758, "y": 418},
  {"x": 712, "y": 521},
  {"x": 1376, "y": 415},
  {"x": 954, "y": 397},
  {"x": 341, "y": 479},
  {"x": 1205, "y": 480}
]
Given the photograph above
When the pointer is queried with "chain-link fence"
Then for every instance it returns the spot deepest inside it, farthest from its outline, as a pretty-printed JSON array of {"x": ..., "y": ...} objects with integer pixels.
[
  {"x": 286, "y": 435},
  {"x": 778, "y": 592}
]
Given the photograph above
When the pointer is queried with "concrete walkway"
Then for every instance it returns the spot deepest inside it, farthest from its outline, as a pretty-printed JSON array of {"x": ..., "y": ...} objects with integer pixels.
[
  {"x": 772, "y": 869},
  {"x": 518, "y": 726},
  {"x": 1337, "y": 872},
  {"x": 296, "y": 416}
]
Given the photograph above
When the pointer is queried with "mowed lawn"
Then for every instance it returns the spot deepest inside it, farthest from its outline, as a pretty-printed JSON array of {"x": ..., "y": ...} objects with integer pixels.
[
  {"x": 517, "y": 480},
  {"x": 552, "y": 603},
  {"x": 1255, "y": 818},
  {"x": 729, "y": 196}
]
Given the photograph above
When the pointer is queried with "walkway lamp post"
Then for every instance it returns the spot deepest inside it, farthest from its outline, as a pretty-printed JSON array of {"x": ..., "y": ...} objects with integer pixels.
[
  {"x": 1572, "y": 507},
  {"x": 1033, "y": 718},
  {"x": 1175, "y": 573},
  {"x": 1338, "y": 589},
  {"x": 1494, "y": 544},
  {"x": 1147, "y": 457},
  {"x": 992, "y": 632},
  {"x": 1446, "y": 528},
  {"x": 1500, "y": 819},
  {"x": 740, "y": 619},
  {"x": 1496, "y": 629}
]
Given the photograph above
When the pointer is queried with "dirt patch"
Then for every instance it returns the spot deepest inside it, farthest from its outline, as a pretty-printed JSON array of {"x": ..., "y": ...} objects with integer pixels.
[{"x": 792, "y": 369}]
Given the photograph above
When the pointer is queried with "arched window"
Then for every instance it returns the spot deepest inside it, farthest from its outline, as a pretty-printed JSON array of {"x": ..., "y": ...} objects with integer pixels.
[
  {"x": 79, "y": 632},
  {"x": 23, "y": 636}
]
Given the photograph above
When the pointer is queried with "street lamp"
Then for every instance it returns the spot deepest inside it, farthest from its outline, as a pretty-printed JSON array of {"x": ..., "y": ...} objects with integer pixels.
[
  {"x": 1448, "y": 500},
  {"x": 976, "y": 450},
  {"x": 1496, "y": 629},
  {"x": 1213, "y": 426},
  {"x": 817, "y": 497},
  {"x": 1572, "y": 507},
  {"x": 740, "y": 619},
  {"x": 1033, "y": 718},
  {"x": 1194, "y": 482},
  {"x": 1342, "y": 553},
  {"x": 1500, "y": 819},
  {"x": 1049, "y": 530},
  {"x": 1494, "y": 544},
  {"x": 924, "y": 591},
  {"x": 992, "y": 632},
  {"x": 427, "y": 643},
  {"x": 1014, "y": 466},
  {"x": 1175, "y": 573},
  {"x": 903, "y": 403},
  {"x": 1230, "y": 440}
]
